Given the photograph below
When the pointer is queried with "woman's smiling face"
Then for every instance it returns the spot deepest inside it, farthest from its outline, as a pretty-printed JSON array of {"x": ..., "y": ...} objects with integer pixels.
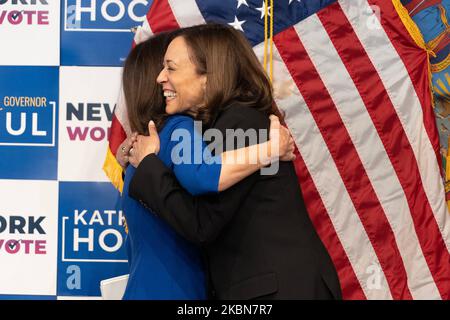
[{"x": 183, "y": 87}]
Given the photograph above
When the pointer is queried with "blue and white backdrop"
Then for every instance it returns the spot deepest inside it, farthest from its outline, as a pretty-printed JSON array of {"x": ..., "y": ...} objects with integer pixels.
[{"x": 60, "y": 221}]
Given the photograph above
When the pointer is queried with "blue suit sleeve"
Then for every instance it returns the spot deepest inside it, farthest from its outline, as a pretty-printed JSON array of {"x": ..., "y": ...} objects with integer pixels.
[{"x": 192, "y": 162}]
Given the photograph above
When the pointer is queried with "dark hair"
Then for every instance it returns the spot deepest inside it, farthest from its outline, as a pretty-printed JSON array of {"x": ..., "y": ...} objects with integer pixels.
[
  {"x": 234, "y": 74},
  {"x": 143, "y": 96}
]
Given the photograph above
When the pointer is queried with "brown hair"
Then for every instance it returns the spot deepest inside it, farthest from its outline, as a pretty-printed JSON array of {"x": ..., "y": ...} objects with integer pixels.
[
  {"x": 234, "y": 74},
  {"x": 143, "y": 96}
]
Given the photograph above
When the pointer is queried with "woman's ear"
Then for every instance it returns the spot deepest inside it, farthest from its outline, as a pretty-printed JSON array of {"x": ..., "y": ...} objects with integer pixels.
[{"x": 203, "y": 80}]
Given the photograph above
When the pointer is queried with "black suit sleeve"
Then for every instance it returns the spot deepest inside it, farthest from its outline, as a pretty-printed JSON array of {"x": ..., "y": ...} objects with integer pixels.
[{"x": 198, "y": 219}]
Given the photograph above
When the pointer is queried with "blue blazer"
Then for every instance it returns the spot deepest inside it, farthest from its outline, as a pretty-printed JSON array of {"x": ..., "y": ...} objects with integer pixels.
[{"x": 163, "y": 265}]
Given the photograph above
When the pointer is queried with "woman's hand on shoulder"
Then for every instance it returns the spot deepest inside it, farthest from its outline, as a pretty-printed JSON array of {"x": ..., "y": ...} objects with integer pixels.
[
  {"x": 124, "y": 149},
  {"x": 144, "y": 145},
  {"x": 281, "y": 143}
]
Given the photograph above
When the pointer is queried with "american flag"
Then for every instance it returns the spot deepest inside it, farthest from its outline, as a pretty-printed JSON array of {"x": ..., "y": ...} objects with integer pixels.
[{"x": 352, "y": 79}]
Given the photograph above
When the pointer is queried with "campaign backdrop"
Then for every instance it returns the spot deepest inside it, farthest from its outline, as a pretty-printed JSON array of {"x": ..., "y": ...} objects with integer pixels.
[{"x": 61, "y": 228}]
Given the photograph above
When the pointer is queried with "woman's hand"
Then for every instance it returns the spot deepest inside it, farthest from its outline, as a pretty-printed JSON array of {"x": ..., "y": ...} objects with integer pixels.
[
  {"x": 281, "y": 143},
  {"x": 124, "y": 149},
  {"x": 144, "y": 145}
]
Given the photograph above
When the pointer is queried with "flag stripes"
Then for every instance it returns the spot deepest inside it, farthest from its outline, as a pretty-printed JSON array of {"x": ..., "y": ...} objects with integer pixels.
[
  {"x": 346, "y": 159},
  {"x": 356, "y": 98},
  {"x": 389, "y": 129}
]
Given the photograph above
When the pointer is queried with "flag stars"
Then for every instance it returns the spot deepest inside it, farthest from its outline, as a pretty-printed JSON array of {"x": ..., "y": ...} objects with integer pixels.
[
  {"x": 263, "y": 10},
  {"x": 237, "y": 24},
  {"x": 241, "y": 2}
]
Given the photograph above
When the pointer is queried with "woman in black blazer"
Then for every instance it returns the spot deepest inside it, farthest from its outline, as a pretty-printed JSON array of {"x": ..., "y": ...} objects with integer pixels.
[{"x": 257, "y": 236}]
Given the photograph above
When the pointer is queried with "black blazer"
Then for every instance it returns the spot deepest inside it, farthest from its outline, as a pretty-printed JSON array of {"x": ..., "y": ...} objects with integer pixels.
[{"x": 258, "y": 238}]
